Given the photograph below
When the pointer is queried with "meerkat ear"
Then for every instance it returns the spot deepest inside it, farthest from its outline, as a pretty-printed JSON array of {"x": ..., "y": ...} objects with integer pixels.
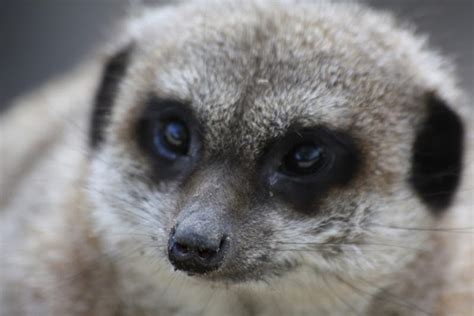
[
  {"x": 437, "y": 155},
  {"x": 112, "y": 74}
]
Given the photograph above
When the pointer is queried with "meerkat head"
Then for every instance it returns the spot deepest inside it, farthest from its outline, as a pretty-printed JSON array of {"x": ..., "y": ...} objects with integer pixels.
[{"x": 246, "y": 142}]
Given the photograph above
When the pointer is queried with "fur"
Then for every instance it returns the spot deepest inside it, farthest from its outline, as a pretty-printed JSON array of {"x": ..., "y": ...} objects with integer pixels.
[{"x": 85, "y": 228}]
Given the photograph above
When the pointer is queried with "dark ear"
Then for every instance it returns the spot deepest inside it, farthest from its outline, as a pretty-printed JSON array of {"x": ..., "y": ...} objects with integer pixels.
[
  {"x": 437, "y": 155},
  {"x": 112, "y": 75}
]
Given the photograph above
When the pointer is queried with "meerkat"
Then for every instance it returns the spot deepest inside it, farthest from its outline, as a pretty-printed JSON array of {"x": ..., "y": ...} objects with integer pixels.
[{"x": 242, "y": 158}]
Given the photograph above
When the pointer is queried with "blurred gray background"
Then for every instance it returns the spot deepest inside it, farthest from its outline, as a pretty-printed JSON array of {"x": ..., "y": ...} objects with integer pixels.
[{"x": 42, "y": 38}]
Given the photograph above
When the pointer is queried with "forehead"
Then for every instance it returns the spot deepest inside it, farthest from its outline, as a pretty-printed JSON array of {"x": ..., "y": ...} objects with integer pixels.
[{"x": 250, "y": 79}]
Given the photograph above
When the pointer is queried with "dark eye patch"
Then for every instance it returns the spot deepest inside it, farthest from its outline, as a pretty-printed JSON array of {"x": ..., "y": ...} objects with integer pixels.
[
  {"x": 437, "y": 155},
  {"x": 306, "y": 163},
  {"x": 170, "y": 136},
  {"x": 113, "y": 73}
]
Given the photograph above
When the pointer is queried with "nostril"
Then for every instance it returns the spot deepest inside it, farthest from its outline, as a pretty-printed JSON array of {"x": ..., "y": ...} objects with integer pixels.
[
  {"x": 207, "y": 253},
  {"x": 183, "y": 249},
  {"x": 222, "y": 243}
]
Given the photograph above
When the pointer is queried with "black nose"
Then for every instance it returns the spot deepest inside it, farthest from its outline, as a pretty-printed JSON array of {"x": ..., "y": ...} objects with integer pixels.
[{"x": 196, "y": 252}]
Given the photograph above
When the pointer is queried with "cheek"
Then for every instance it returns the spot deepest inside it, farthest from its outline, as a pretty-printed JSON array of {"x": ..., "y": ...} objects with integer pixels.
[
  {"x": 125, "y": 206},
  {"x": 276, "y": 233},
  {"x": 399, "y": 213},
  {"x": 386, "y": 232}
]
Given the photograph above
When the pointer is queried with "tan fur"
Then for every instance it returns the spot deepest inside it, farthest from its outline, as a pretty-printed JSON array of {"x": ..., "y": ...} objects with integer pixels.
[{"x": 75, "y": 237}]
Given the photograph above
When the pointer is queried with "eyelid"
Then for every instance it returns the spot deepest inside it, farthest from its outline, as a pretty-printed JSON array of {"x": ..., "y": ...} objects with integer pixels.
[
  {"x": 340, "y": 165},
  {"x": 161, "y": 110},
  {"x": 338, "y": 148}
]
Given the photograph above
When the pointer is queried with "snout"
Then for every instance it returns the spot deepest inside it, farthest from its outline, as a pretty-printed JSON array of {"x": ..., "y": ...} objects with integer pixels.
[{"x": 196, "y": 249}]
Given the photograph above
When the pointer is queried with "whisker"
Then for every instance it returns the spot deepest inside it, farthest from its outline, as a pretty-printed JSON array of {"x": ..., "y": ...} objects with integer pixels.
[
  {"x": 334, "y": 292},
  {"x": 392, "y": 298},
  {"x": 352, "y": 244},
  {"x": 454, "y": 230}
]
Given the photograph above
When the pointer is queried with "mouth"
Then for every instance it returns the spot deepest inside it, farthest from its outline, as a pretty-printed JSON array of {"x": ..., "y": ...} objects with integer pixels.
[{"x": 235, "y": 271}]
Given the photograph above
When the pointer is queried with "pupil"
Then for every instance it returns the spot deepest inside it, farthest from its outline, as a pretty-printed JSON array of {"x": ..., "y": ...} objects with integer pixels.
[
  {"x": 176, "y": 134},
  {"x": 302, "y": 160},
  {"x": 306, "y": 156}
]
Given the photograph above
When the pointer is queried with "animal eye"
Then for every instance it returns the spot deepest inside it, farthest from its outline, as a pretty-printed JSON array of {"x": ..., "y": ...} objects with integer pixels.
[
  {"x": 171, "y": 139},
  {"x": 303, "y": 159}
]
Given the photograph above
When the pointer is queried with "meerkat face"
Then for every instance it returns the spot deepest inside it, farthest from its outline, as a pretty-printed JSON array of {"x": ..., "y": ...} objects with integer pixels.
[{"x": 245, "y": 143}]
